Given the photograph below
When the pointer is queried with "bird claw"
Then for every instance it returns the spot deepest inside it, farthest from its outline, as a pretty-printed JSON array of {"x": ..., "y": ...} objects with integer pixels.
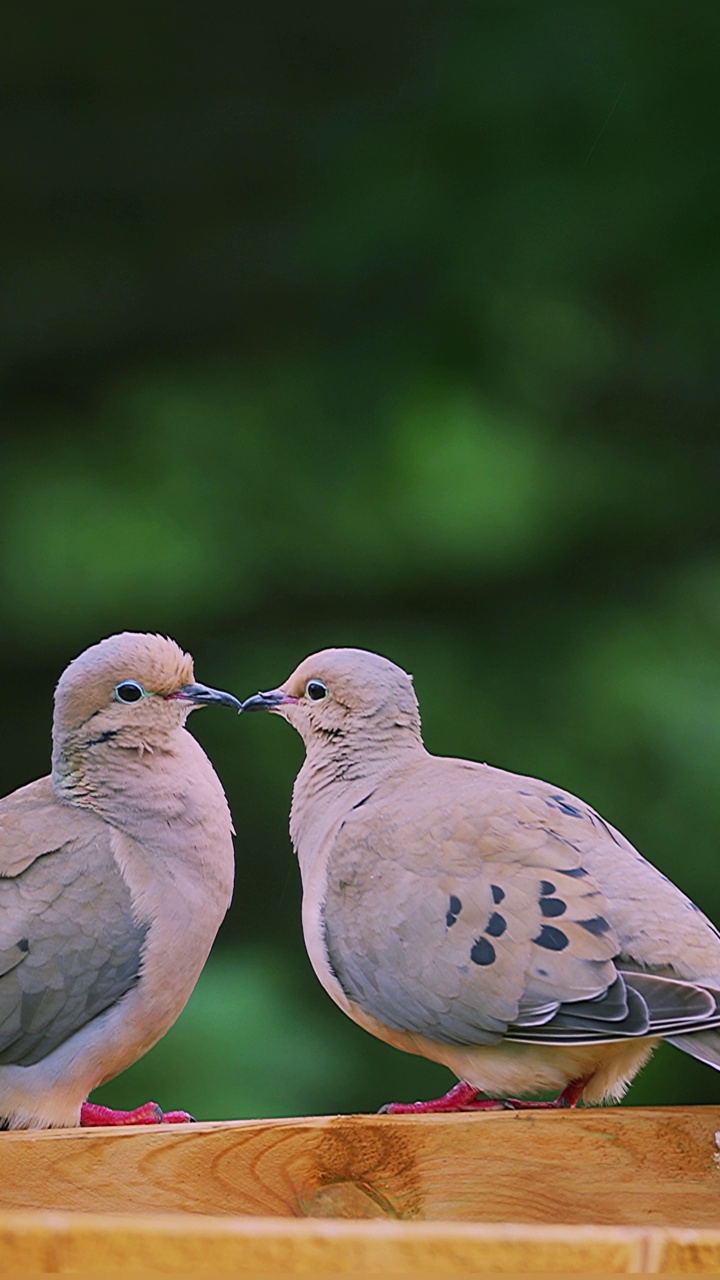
[
  {"x": 463, "y": 1097},
  {"x": 433, "y": 1108},
  {"x": 91, "y": 1113},
  {"x": 177, "y": 1117}
]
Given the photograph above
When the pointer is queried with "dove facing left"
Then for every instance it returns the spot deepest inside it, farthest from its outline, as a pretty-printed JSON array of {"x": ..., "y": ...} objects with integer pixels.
[
  {"x": 116, "y": 871},
  {"x": 490, "y": 922}
]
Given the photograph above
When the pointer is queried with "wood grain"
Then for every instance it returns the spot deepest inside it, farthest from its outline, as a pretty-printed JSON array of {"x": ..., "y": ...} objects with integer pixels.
[
  {"x": 621, "y": 1167},
  {"x": 80, "y": 1243},
  {"x": 676, "y": 1251},
  {"x": 54, "y": 1242}
]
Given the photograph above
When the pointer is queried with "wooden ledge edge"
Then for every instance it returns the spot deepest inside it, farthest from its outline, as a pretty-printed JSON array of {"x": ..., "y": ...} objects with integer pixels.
[
  {"x": 51, "y": 1241},
  {"x": 582, "y": 1118}
]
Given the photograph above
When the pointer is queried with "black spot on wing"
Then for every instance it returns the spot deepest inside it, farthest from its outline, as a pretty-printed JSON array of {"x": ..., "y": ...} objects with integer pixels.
[
  {"x": 575, "y": 873},
  {"x": 482, "y": 952},
  {"x": 551, "y": 938},
  {"x": 553, "y": 907},
  {"x": 496, "y": 925},
  {"x": 546, "y": 887},
  {"x": 559, "y": 802},
  {"x": 598, "y": 925},
  {"x": 23, "y": 944},
  {"x": 497, "y": 893},
  {"x": 453, "y": 910}
]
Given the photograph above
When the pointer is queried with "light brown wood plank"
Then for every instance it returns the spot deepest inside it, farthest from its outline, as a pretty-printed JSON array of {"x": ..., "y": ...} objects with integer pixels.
[
  {"x": 56, "y": 1242},
  {"x": 611, "y": 1166},
  {"x": 675, "y": 1250}
]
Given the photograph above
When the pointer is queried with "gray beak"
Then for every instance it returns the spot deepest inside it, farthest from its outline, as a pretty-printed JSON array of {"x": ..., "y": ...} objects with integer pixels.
[
  {"x": 267, "y": 701},
  {"x": 202, "y": 696}
]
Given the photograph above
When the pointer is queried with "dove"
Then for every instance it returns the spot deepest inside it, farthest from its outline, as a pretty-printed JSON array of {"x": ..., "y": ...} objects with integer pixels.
[
  {"x": 490, "y": 922},
  {"x": 116, "y": 871}
]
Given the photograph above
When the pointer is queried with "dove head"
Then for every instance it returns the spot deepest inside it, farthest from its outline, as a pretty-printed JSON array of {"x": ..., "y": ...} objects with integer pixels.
[
  {"x": 344, "y": 696},
  {"x": 130, "y": 690}
]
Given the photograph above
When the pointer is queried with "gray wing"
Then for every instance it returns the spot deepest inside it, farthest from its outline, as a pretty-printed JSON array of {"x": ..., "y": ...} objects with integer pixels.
[
  {"x": 476, "y": 919},
  {"x": 69, "y": 944}
]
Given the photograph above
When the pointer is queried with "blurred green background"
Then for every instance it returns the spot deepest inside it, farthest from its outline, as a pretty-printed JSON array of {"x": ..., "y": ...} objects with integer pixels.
[{"x": 396, "y": 328}]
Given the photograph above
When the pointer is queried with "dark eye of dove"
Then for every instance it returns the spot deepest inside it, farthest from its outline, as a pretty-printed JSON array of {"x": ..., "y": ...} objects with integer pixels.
[
  {"x": 128, "y": 691},
  {"x": 316, "y": 690}
]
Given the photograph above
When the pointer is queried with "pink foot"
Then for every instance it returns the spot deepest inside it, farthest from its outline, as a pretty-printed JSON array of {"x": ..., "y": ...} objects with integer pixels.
[
  {"x": 91, "y": 1113},
  {"x": 463, "y": 1097},
  {"x": 569, "y": 1097}
]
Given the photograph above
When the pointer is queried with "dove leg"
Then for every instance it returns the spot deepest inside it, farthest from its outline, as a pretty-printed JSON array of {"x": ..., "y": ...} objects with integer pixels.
[
  {"x": 463, "y": 1097},
  {"x": 568, "y": 1098},
  {"x": 91, "y": 1113}
]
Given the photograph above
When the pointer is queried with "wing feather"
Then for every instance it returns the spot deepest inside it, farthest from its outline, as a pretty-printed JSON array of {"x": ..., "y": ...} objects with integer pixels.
[
  {"x": 70, "y": 945},
  {"x": 474, "y": 916}
]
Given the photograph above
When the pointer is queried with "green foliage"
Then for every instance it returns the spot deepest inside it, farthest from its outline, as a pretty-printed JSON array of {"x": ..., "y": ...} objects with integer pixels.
[{"x": 403, "y": 334}]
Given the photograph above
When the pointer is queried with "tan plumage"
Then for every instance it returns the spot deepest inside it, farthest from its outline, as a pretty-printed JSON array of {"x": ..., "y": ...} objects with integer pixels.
[
  {"x": 490, "y": 922},
  {"x": 115, "y": 873}
]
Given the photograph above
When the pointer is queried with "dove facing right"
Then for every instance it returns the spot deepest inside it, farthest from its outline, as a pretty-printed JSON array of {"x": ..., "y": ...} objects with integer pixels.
[
  {"x": 490, "y": 922},
  {"x": 115, "y": 874}
]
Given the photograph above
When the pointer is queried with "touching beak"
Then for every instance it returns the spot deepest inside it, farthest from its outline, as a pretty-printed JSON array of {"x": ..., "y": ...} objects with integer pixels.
[
  {"x": 201, "y": 696},
  {"x": 267, "y": 701}
]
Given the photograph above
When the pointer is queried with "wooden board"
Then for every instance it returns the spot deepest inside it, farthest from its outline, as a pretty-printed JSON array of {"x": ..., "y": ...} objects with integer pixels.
[
  {"x": 609, "y": 1191},
  {"x": 78, "y": 1242},
  {"x": 636, "y": 1167},
  {"x": 51, "y": 1243}
]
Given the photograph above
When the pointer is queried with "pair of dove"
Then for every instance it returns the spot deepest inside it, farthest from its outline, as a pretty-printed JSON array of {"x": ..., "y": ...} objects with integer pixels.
[{"x": 487, "y": 921}]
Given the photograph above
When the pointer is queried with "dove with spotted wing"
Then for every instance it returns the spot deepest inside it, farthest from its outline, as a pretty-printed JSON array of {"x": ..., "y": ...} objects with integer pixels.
[{"x": 487, "y": 921}]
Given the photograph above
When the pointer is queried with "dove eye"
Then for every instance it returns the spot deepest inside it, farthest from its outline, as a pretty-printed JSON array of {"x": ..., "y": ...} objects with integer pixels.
[
  {"x": 315, "y": 690},
  {"x": 128, "y": 691}
]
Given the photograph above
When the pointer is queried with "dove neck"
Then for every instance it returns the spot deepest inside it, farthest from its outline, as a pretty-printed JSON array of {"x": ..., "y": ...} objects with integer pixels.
[
  {"x": 335, "y": 756},
  {"x": 338, "y": 775},
  {"x": 138, "y": 789},
  {"x": 88, "y": 771}
]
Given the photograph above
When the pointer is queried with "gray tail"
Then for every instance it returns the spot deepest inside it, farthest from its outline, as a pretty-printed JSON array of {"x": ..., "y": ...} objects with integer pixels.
[{"x": 704, "y": 1045}]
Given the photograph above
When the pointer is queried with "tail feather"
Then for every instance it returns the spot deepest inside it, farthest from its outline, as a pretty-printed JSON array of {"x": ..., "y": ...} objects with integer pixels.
[
  {"x": 636, "y": 1005},
  {"x": 704, "y": 1045},
  {"x": 673, "y": 1000}
]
